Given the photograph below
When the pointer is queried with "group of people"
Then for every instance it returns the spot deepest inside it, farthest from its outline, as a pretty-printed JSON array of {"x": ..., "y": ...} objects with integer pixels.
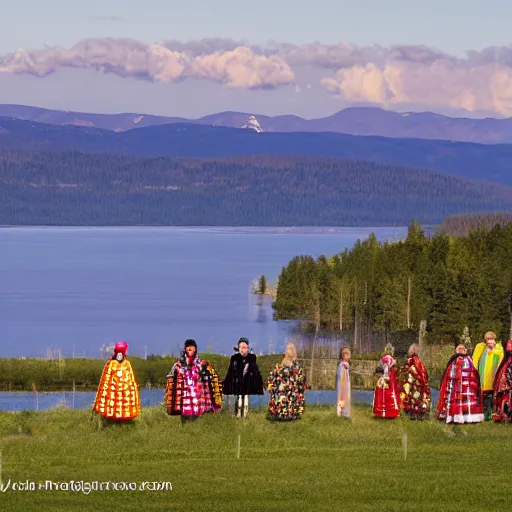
[
  {"x": 473, "y": 389},
  {"x": 194, "y": 388}
]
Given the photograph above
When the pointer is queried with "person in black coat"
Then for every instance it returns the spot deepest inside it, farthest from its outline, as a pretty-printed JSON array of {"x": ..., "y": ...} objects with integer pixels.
[{"x": 243, "y": 377}]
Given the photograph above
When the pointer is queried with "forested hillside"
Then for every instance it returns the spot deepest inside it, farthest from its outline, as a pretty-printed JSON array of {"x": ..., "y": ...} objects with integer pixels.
[
  {"x": 450, "y": 282},
  {"x": 471, "y": 161},
  {"x": 462, "y": 224},
  {"x": 45, "y": 188}
]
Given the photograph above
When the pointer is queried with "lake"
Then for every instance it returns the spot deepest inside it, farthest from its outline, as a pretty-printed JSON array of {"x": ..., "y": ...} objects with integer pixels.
[
  {"x": 10, "y": 401},
  {"x": 25, "y": 401},
  {"x": 76, "y": 289}
]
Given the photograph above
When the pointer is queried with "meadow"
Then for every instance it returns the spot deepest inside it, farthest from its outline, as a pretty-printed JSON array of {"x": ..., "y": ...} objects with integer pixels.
[{"x": 319, "y": 463}]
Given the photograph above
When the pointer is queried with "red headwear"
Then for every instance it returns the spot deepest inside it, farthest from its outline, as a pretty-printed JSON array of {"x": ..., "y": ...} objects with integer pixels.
[
  {"x": 509, "y": 346},
  {"x": 388, "y": 359},
  {"x": 121, "y": 346}
]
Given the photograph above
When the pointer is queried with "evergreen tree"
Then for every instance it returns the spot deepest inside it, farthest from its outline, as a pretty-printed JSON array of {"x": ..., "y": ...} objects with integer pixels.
[
  {"x": 456, "y": 284},
  {"x": 262, "y": 285}
]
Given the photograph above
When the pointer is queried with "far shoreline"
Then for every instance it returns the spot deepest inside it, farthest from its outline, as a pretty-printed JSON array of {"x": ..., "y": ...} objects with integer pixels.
[{"x": 200, "y": 227}]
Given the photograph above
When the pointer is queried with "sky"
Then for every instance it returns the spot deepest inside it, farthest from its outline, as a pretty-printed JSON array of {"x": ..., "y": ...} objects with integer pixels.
[
  {"x": 437, "y": 55},
  {"x": 450, "y": 25}
]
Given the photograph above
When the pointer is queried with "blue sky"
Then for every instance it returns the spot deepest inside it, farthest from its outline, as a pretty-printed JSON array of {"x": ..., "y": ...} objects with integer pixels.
[
  {"x": 451, "y": 25},
  {"x": 316, "y": 80}
]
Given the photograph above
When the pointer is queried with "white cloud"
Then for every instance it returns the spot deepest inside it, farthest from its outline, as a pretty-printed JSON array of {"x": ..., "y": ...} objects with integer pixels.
[
  {"x": 240, "y": 67},
  {"x": 442, "y": 83},
  {"x": 402, "y": 74}
]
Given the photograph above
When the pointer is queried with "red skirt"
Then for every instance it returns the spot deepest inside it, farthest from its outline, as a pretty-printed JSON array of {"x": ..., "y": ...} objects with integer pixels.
[
  {"x": 386, "y": 400},
  {"x": 460, "y": 394},
  {"x": 503, "y": 392}
]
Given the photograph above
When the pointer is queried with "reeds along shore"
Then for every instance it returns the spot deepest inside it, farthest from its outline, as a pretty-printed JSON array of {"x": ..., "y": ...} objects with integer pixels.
[{"x": 82, "y": 374}]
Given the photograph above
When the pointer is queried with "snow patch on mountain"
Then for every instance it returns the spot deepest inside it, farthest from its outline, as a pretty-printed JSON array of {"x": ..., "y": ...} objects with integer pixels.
[{"x": 253, "y": 124}]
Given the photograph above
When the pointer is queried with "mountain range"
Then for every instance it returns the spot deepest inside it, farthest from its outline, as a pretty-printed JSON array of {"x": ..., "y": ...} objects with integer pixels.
[
  {"x": 92, "y": 169},
  {"x": 364, "y": 121},
  {"x": 467, "y": 160}
]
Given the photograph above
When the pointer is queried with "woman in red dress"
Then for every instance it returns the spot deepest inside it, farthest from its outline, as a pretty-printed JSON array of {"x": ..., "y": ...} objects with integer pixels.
[
  {"x": 460, "y": 394},
  {"x": 503, "y": 388},
  {"x": 386, "y": 399}
]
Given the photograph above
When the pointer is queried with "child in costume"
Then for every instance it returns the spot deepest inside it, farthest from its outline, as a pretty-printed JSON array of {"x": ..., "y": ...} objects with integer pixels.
[
  {"x": 343, "y": 393},
  {"x": 243, "y": 377},
  {"x": 415, "y": 393},
  {"x": 503, "y": 388},
  {"x": 487, "y": 356},
  {"x": 117, "y": 397},
  {"x": 287, "y": 386},
  {"x": 386, "y": 399},
  {"x": 193, "y": 386},
  {"x": 460, "y": 394}
]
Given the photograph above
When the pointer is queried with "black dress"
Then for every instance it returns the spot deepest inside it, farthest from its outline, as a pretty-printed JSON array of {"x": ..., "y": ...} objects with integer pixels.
[{"x": 243, "y": 377}]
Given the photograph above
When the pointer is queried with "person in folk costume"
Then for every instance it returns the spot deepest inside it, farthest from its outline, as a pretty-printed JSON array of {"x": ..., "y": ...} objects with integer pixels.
[
  {"x": 503, "y": 388},
  {"x": 287, "y": 386},
  {"x": 415, "y": 393},
  {"x": 487, "y": 356},
  {"x": 460, "y": 393},
  {"x": 118, "y": 397},
  {"x": 343, "y": 391},
  {"x": 193, "y": 387},
  {"x": 386, "y": 399},
  {"x": 243, "y": 377}
]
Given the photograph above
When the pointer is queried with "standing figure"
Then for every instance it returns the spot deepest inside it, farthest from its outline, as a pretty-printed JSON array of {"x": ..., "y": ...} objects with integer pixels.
[
  {"x": 117, "y": 397},
  {"x": 460, "y": 393},
  {"x": 487, "y": 356},
  {"x": 243, "y": 378},
  {"x": 386, "y": 400},
  {"x": 503, "y": 388},
  {"x": 343, "y": 391},
  {"x": 415, "y": 393},
  {"x": 193, "y": 386},
  {"x": 287, "y": 386}
]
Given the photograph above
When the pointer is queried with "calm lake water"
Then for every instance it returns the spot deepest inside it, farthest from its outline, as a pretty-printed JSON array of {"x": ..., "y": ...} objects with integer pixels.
[
  {"x": 148, "y": 397},
  {"x": 10, "y": 401},
  {"x": 75, "y": 289}
]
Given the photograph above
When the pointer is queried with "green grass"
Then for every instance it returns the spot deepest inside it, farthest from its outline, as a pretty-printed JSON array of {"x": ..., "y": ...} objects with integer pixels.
[{"x": 319, "y": 463}]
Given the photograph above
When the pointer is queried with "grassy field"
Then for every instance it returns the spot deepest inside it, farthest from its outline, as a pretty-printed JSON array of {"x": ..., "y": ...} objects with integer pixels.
[{"x": 319, "y": 463}]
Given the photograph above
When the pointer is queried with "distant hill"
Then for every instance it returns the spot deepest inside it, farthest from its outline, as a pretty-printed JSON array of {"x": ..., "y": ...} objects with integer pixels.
[
  {"x": 368, "y": 121},
  {"x": 44, "y": 188},
  {"x": 471, "y": 161},
  {"x": 462, "y": 224},
  {"x": 112, "y": 122}
]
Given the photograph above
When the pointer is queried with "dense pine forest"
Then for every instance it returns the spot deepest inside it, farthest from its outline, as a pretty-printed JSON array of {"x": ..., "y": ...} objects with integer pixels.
[
  {"x": 482, "y": 162},
  {"x": 449, "y": 282},
  {"x": 73, "y": 188},
  {"x": 463, "y": 224}
]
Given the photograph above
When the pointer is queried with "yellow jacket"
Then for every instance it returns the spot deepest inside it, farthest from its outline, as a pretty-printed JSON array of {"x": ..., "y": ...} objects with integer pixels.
[{"x": 487, "y": 363}]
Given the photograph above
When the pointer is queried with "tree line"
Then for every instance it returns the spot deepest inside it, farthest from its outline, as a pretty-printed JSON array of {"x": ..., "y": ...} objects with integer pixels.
[
  {"x": 444, "y": 284},
  {"x": 74, "y": 188},
  {"x": 462, "y": 224}
]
